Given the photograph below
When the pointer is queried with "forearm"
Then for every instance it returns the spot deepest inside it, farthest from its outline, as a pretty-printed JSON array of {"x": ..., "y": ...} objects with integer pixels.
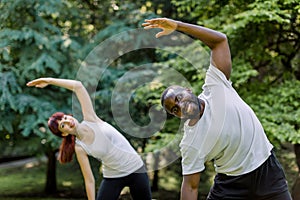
[
  {"x": 65, "y": 83},
  {"x": 90, "y": 190},
  {"x": 87, "y": 172},
  {"x": 81, "y": 93},
  {"x": 208, "y": 36}
]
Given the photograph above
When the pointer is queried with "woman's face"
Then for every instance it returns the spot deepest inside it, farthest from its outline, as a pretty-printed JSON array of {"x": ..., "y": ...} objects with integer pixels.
[{"x": 67, "y": 124}]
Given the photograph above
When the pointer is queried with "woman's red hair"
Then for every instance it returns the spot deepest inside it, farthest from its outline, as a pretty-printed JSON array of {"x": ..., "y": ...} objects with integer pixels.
[{"x": 67, "y": 147}]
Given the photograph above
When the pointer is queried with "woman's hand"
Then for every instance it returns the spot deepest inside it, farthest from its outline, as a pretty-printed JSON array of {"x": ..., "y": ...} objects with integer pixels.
[
  {"x": 39, "y": 83},
  {"x": 167, "y": 25}
]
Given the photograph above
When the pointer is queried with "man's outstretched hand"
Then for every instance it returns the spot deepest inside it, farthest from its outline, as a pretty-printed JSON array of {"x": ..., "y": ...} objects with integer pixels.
[{"x": 167, "y": 25}]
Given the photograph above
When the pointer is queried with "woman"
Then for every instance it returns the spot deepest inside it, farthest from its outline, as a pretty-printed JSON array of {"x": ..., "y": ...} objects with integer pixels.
[{"x": 122, "y": 166}]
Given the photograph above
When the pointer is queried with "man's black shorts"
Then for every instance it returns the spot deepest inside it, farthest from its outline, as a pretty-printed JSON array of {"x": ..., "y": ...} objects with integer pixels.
[{"x": 266, "y": 182}]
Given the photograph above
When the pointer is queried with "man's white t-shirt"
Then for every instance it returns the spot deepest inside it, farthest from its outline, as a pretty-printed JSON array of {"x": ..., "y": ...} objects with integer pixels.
[
  {"x": 118, "y": 157},
  {"x": 229, "y": 133}
]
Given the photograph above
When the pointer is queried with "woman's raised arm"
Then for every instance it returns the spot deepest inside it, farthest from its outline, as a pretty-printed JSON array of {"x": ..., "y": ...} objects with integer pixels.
[{"x": 73, "y": 85}]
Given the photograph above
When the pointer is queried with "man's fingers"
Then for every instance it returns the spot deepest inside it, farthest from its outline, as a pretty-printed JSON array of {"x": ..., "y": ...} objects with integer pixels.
[
  {"x": 155, "y": 23},
  {"x": 160, "y": 34},
  {"x": 149, "y": 21},
  {"x": 145, "y": 24},
  {"x": 150, "y": 26},
  {"x": 155, "y": 20}
]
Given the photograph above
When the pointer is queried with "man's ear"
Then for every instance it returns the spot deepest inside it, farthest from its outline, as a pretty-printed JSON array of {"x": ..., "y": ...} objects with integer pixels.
[{"x": 64, "y": 134}]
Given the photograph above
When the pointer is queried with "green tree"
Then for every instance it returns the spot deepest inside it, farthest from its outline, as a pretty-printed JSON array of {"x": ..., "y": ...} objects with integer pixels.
[{"x": 38, "y": 38}]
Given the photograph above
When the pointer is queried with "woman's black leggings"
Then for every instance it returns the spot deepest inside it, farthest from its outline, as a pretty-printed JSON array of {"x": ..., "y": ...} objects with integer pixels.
[{"x": 138, "y": 184}]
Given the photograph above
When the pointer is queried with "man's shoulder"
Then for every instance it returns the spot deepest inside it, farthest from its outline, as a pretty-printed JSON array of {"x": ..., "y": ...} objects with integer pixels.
[{"x": 215, "y": 77}]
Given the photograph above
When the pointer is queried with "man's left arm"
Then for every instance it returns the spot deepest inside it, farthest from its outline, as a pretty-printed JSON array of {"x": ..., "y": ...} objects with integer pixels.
[{"x": 189, "y": 187}]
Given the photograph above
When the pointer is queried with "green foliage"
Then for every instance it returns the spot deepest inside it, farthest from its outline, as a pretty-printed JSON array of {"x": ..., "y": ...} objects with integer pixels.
[
  {"x": 9, "y": 87},
  {"x": 242, "y": 73},
  {"x": 278, "y": 110}
]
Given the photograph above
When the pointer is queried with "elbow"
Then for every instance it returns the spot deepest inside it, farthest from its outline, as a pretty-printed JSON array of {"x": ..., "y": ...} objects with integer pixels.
[
  {"x": 223, "y": 39},
  {"x": 90, "y": 181},
  {"x": 193, "y": 187},
  {"x": 190, "y": 186},
  {"x": 191, "y": 182},
  {"x": 219, "y": 42},
  {"x": 77, "y": 85}
]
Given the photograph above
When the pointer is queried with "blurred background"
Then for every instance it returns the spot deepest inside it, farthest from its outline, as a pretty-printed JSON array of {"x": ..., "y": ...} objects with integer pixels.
[{"x": 55, "y": 38}]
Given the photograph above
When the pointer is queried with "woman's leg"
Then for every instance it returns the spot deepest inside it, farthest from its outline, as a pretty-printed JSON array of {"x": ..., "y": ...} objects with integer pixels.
[
  {"x": 110, "y": 189},
  {"x": 140, "y": 187}
]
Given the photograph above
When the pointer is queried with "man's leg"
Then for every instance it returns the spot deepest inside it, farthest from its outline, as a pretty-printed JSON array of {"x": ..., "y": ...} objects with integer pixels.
[
  {"x": 271, "y": 182},
  {"x": 231, "y": 187}
]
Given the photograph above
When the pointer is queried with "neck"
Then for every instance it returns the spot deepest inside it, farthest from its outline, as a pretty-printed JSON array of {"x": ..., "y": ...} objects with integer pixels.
[{"x": 76, "y": 133}]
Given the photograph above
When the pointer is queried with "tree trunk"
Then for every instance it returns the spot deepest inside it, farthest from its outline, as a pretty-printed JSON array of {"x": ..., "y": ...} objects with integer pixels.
[
  {"x": 51, "y": 187},
  {"x": 296, "y": 186},
  {"x": 155, "y": 175}
]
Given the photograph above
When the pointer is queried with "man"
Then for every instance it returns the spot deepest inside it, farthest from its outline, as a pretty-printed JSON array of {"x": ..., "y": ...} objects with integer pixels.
[{"x": 221, "y": 127}]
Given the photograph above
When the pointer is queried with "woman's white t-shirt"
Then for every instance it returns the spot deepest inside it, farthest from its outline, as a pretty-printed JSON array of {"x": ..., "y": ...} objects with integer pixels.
[
  {"x": 229, "y": 133},
  {"x": 118, "y": 157}
]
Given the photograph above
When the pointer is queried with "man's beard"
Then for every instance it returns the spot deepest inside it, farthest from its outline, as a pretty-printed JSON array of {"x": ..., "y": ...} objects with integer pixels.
[{"x": 195, "y": 112}]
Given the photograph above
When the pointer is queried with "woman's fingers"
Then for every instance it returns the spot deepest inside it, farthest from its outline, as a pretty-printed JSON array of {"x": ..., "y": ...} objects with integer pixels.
[
  {"x": 37, "y": 83},
  {"x": 31, "y": 83}
]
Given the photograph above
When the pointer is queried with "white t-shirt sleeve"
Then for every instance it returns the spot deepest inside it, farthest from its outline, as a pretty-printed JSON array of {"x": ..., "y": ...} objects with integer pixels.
[
  {"x": 215, "y": 76},
  {"x": 191, "y": 160}
]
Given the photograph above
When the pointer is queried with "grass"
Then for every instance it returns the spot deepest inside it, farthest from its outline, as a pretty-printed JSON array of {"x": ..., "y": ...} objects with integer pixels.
[{"x": 28, "y": 182}]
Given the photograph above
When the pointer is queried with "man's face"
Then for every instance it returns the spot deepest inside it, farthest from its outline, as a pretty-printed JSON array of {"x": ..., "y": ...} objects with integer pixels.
[{"x": 182, "y": 103}]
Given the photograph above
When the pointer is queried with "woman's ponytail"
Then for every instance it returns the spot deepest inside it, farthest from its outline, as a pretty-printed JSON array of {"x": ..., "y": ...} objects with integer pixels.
[{"x": 67, "y": 149}]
